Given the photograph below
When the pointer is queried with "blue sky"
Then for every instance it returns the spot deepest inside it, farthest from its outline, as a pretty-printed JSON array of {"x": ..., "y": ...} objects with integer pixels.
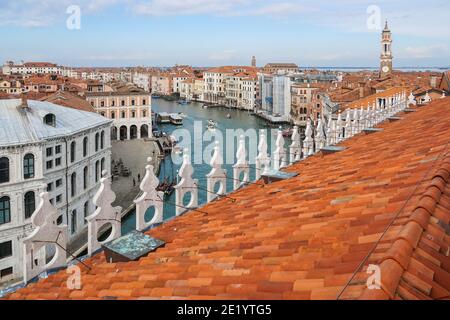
[{"x": 221, "y": 32}]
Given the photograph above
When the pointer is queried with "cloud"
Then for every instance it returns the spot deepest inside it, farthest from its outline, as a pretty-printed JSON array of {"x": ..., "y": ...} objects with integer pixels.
[
  {"x": 40, "y": 13},
  {"x": 223, "y": 56},
  {"x": 425, "y": 51}
]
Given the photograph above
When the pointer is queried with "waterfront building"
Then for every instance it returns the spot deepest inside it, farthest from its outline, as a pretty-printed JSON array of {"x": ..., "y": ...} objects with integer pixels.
[
  {"x": 275, "y": 95},
  {"x": 46, "y": 147},
  {"x": 130, "y": 109},
  {"x": 241, "y": 90},
  {"x": 224, "y": 86},
  {"x": 386, "y": 52},
  {"x": 28, "y": 68},
  {"x": 161, "y": 84},
  {"x": 273, "y": 68}
]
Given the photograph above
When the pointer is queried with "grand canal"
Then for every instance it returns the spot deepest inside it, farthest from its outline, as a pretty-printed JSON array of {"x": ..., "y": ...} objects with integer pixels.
[{"x": 195, "y": 122}]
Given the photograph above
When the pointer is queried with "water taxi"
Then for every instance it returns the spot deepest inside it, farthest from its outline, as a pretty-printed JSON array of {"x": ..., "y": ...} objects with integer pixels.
[{"x": 176, "y": 119}]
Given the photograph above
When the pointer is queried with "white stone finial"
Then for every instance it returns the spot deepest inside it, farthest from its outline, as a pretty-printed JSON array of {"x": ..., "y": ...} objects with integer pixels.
[
  {"x": 149, "y": 198},
  {"x": 279, "y": 155},
  {"x": 355, "y": 127},
  {"x": 443, "y": 95},
  {"x": 186, "y": 185},
  {"x": 339, "y": 128},
  {"x": 104, "y": 214},
  {"x": 427, "y": 98},
  {"x": 216, "y": 175},
  {"x": 411, "y": 99},
  {"x": 308, "y": 142},
  {"x": 263, "y": 156},
  {"x": 331, "y": 132},
  {"x": 46, "y": 232},
  {"x": 320, "y": 137},
  {"x": 295, "y": 151},
  {"x": 241, "y": 165},
  {"x": 348, "y": 124}
]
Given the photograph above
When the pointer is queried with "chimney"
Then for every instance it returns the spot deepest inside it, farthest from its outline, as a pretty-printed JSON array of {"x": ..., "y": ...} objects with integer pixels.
[{"x": 24, "y": 104}]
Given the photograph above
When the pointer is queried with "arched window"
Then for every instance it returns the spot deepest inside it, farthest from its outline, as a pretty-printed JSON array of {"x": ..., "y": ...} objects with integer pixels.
[
  {"x": 73, "y": 221},
  {"x": 102, "y": 140},
  {"x": 86, "y": 210},
  {"x": 29, "y": 204},
  {"x": 5, "y": 210},
  {"x": 97, "y": 138},
  {"x": 97, "y": 168},
  {"x": 4, "y": 170},
  {"x": 102, "y": 165},
  {"x": 73, "y": 184},
  {"x": 85, "y": 146},
  {"x": 113, "y": 114},
  {"x": 50, "y": 120},
  {"x": 85, "y": 177},
  {"x": 28, "y": 166},
  {"x": 73, "y": 147}
]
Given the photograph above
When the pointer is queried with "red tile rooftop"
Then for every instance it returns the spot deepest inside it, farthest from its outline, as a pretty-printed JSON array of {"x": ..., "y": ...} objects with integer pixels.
[{"x": 385, "y": 200}]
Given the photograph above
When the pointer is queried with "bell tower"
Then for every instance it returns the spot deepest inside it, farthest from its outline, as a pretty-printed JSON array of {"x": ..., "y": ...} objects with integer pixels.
[{"x": 386, "y": 52}]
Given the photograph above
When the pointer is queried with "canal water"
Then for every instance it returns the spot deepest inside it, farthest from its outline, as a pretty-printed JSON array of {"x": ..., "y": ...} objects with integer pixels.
[{"x": 195, "y": 122}]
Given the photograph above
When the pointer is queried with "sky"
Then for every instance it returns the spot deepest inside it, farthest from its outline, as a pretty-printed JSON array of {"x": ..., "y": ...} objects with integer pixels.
[{"x": 344, "y": 33}]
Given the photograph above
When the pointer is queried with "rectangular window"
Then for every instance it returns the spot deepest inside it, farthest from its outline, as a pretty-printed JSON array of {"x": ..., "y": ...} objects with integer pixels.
[
  {"x": 59, "y": 198},
  {"x": 5, "y": 249},
  {"x": 58, "y": 149},
  {"x": 58, "y": 183},
  {"x": 49, "y": 164},
  {"x": 49, "y": 152},
  {"x": 58, "y": 161},
  {"x": 50, "y": 187},
  {"x": 6, "y": 272}
]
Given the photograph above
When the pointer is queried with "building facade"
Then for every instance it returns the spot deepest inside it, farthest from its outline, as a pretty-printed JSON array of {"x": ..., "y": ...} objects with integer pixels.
[
  {"x": 27, "y": 68},
  {"x": 51, "y": 148},
  {"x": 131, "y": 112},
  {"x": 275, "y": 95}
]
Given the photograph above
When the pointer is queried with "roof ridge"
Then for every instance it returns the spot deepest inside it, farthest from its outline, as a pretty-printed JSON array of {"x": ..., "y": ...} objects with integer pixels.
[{"x": 395, "y": 261}]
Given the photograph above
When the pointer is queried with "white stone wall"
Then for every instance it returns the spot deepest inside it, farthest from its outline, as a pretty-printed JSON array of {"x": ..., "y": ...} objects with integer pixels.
[{"x": 19, "y": 227}]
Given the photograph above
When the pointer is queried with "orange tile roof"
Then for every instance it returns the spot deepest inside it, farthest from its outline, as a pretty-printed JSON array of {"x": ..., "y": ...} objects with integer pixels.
[
  {"x": 70, "y": 100},
  {"x": 385, "y": 200}
]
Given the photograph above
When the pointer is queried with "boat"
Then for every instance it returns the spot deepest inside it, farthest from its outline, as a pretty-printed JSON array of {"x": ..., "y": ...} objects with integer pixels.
[
  {"x": 205, "y": 106},
  {"x": 175, "y": 119},
  {"x": 183, "y": 101},
  {"x": 183, "y": 115},
  {"x": 228, "y": 116},
  {"x": 156, "y": 96},
  {"x": 211, "y": 124}
]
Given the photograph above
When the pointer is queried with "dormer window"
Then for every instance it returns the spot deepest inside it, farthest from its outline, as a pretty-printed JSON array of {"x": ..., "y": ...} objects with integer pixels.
[{"x": 50, "y": 120}]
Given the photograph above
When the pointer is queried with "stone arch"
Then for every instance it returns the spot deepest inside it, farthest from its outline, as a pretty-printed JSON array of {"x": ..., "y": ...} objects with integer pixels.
[
  {"x": 123, "y": 133},
  {"x": 144, "y": 131},
  {"x": 133, "y": 132},
  {"x": 113, "y": 133}
]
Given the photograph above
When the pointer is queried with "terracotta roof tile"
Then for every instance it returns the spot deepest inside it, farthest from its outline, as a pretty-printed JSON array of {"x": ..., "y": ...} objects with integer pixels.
[{"x": 381, "y": 201}]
